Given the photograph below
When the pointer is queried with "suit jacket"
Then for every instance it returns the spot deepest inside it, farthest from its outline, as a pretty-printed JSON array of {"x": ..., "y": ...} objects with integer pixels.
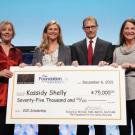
[
  {"x": 103, "y": 52},
  {"x": 64, "y": 55}
]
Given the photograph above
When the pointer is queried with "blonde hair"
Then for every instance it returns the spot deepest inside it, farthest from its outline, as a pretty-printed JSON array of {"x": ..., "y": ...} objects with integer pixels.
[
  {"x": 45, "y": 43},
  {"x": 3, "y": 24}
]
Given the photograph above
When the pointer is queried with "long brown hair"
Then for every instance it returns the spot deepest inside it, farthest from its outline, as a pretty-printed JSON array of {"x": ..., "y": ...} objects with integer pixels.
[
  {"x": 45, "y": 43},
  {"x": 121, "y": 37}
]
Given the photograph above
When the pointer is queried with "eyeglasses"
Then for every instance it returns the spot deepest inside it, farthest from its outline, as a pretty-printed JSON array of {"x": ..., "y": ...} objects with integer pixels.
[{"x": 90, "y": 27}]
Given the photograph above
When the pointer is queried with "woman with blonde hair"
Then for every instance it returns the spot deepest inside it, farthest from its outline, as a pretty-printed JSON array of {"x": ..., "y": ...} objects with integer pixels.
[
  {"x": 51, "y": 52},
  {"x": 9, "y": 56}
]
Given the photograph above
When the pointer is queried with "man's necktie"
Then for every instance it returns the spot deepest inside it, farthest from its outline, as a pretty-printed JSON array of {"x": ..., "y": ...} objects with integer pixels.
[{"x": 90, "y": 52}]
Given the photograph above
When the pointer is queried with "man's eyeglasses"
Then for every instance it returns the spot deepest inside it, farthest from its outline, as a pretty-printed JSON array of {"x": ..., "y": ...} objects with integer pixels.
[{"x": 90, "y": 27}]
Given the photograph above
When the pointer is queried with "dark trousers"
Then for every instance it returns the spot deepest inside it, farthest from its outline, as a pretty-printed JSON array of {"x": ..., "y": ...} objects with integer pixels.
[
  {"x": 48, "y": 130},
  {"x": 5, "y": 129},
  {"x": 126, "y": 130},
  {"x": 84, "y": 130}
]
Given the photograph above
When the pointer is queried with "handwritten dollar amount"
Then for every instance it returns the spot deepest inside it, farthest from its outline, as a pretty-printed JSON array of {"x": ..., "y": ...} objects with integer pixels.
[
  {"x": 80, "y": 99},
  {"x": 102, "y": 92}
]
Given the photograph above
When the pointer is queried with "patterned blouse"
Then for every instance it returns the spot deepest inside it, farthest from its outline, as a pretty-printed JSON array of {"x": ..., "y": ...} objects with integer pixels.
[{"x": 51, "y": 58}]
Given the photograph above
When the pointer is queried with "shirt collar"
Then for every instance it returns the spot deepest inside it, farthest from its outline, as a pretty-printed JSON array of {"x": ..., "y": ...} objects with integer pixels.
[{"x": 93, "y": 43}]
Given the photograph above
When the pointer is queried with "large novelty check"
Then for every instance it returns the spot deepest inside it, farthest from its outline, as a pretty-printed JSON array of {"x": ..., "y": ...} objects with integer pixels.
[{"x": 67, "y": 94}]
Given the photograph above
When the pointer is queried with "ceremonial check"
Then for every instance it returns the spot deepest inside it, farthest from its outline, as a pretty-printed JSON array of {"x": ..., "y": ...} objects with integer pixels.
[{"x": 67, "y": 94}]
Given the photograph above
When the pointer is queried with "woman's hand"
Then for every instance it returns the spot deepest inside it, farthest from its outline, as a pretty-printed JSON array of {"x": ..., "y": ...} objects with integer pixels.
[
  {"x": 103, "y": 63},
  {"x": 60, "y": 63},
  {"x": 132, "y": 66},
  {"x": 6, "y": 73},
  {"x": 38, "y": 64},
  {"x": 125, "y": 65},
  {"x": 22, "y": 65},
  {"x": 75, "y": 63},
  {"x": 115, "y": 65},
  {"x": 128, "y": 65}
]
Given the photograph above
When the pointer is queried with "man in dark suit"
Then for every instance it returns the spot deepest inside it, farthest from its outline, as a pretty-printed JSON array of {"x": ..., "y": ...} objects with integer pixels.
[{"x": 102, "y": 53}]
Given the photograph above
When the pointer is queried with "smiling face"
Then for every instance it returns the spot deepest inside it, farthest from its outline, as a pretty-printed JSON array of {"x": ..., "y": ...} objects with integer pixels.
[
  {"x": 53, "y": 32},
  {"x": 90, "y": 28},
  {"x": 129, "y": 31},
  {"x": 6, "y": 32}
]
